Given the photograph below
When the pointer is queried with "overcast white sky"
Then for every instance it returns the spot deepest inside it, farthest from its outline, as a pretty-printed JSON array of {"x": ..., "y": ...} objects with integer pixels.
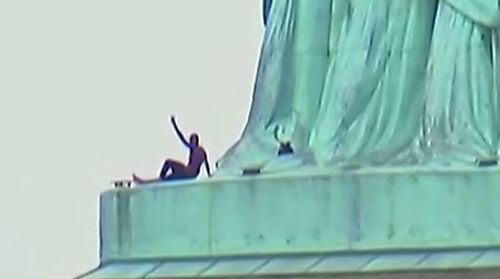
[{"x": 86, "y": 90}]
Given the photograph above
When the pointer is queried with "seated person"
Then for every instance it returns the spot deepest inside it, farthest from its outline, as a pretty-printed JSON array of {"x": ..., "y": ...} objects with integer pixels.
[{"x": 175, "y": 170}]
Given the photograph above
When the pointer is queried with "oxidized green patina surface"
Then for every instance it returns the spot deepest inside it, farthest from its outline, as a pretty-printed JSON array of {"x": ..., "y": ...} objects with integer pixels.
[
  {"x": 365, "y": 210},
  {"x": 317, "y": 222},
  {"x": 376, "y": 82}
]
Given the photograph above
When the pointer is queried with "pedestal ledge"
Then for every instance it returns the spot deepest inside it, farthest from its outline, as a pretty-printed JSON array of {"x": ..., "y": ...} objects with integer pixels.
[{"x": 315, "y": 222}]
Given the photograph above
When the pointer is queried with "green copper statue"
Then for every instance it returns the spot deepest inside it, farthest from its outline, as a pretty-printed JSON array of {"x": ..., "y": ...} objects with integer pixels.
[
  {"x": 461, "y": 120},
  {"x": 374, "y": 82}
]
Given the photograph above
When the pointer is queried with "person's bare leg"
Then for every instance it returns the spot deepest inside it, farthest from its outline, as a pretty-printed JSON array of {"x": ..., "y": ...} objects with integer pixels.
[
  {"x": 139, "y": 180},
  {"x": 174, "y": 166}
]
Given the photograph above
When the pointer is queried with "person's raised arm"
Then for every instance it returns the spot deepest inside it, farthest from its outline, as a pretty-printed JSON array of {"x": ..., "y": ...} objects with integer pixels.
[{"x": 178, "y": 131}]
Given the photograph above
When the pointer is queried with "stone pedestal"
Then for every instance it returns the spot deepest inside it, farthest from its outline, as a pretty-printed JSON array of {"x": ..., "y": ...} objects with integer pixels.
[{"x": 367, "y": 223}]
